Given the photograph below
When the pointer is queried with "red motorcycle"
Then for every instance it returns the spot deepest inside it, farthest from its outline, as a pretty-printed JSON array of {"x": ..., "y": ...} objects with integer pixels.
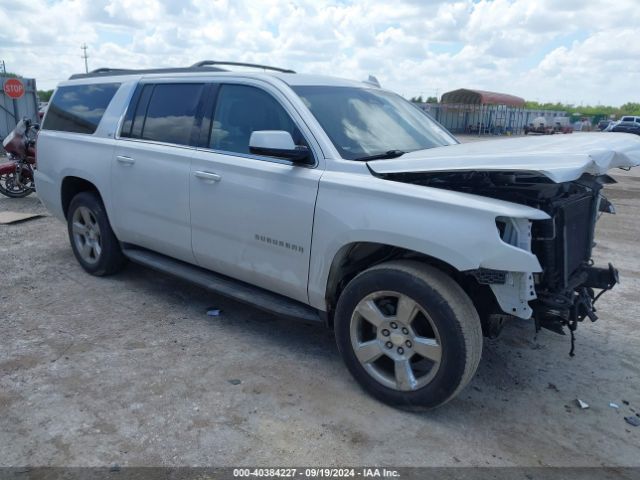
[{"x": 16, "y": 174}]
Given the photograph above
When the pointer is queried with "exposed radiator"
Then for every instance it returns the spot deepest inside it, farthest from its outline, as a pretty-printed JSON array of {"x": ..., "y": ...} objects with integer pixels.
[{"x": 576, "y": 223}]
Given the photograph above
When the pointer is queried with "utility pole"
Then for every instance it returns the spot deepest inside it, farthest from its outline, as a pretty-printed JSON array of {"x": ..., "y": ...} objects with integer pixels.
[
  {"x": 3, "y": 68},
  {"x": 85, "y": 56}
]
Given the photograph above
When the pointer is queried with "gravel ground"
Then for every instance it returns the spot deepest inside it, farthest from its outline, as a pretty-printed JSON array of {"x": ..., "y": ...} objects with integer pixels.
[{"x": 130, "y": 370}]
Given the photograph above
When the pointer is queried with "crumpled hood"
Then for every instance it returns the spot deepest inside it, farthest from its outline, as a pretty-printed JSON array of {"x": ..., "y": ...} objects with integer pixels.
[{"x": 561, "y": 158}]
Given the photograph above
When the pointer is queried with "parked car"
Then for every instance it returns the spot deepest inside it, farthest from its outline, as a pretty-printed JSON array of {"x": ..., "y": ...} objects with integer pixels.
[
  {"x": 630, "y": 118},
  {"x": 627, "y": 127},
  {"x": 42, "y": 108},
  {"x": 563, "y": 127},
  {"x": 335, "y": 202},
  {"x": 539, "y": 127},
  {"x": 603, "y": 124},
  {"x": 611, "y": 126}
]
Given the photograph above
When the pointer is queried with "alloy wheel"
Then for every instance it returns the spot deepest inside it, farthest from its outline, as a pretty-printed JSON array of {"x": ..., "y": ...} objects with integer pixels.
[
  {"x": 86, "y": 235},
  {"x": 395, "y": 340}
]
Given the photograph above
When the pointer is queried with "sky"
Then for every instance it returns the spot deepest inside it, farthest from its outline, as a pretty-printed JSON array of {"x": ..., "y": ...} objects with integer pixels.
[{"x": 573, "y": 51}]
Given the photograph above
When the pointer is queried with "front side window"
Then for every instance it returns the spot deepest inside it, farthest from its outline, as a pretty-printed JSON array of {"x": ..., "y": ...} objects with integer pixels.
[
  {"x": 363, "y": 122},
  {"x": 79, "y": 108},
  {"x": 241, "y": 110}
]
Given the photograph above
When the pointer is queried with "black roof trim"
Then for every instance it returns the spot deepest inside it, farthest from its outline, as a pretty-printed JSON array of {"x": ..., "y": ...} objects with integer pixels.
[{"x": 203, "y": 66}]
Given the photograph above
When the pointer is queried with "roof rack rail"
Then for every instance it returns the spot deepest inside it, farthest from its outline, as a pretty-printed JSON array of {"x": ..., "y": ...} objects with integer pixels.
[
  {"x": 206, "y": 63},
  {"x": 106, "y": 72}
]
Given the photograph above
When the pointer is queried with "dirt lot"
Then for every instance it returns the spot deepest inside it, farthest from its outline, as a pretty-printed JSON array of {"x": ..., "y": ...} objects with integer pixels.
[{"x": 130, "y": 370}]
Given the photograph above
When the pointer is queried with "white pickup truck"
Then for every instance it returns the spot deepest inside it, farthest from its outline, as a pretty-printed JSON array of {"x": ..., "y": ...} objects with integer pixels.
[{"x": 333, "y": 201}]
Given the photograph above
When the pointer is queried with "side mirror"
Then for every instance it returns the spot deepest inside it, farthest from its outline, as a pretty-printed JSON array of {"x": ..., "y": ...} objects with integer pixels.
[{"x": 278, "y": 143}]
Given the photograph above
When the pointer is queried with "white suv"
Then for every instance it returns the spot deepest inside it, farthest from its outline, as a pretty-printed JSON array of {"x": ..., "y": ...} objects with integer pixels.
[
  {"x": 630, "y": 118},
  {"x": 333, "y": 201}
]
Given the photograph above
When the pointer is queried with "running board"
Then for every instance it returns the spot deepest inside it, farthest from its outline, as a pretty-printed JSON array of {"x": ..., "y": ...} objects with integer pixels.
[{"x": 256, "y": 296}]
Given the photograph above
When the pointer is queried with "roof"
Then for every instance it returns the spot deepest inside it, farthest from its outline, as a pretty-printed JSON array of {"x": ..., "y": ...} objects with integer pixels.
[
  {"x": 309, "y": 80},
  {"x": 481, "y": 97},
  {"x": 207, "y": 68},
  {"x": 293, "y": 80}
]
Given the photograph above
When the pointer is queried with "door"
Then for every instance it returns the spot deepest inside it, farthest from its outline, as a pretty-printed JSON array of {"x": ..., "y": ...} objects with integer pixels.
[
  {"x": 251, "y": 215},
  {"x": 151, "y": 167}
]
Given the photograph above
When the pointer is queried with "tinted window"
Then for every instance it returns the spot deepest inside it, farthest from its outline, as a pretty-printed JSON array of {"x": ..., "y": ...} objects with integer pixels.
[
  {"x": 241, "y": 110},
  {"x": 134, "y": 120},
  {"x": 167, "y": 112},
  {"x": 136, "y": 112},
  {"x": 79, "y": 108}
]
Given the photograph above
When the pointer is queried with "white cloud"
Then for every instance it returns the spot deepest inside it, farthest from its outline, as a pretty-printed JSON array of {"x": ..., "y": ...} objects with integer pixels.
[{"x": 574, "y": 50}]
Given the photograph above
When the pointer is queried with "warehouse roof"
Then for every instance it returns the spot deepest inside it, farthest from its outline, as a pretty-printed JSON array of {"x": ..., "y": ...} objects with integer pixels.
[{"x": 481, "y": 97}]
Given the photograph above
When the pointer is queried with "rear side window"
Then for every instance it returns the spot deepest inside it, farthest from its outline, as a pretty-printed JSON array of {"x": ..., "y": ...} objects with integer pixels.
[
  {"x": 79, "y": 108},
  {"x": 165, "y": 113}
]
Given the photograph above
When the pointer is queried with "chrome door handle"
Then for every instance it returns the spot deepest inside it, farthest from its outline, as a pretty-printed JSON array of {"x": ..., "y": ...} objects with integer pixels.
[
  {"x": 208, "y": 176},
  {"x": 125, "y": 160}
]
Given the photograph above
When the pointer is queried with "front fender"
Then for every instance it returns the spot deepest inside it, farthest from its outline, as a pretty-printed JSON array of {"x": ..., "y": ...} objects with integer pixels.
[{"x": 456, "y": 228}]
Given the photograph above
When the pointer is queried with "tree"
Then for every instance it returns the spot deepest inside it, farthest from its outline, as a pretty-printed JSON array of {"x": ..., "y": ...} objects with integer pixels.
[
  {"x": 419, "y": 99},
  {"x": 630, "y": 108},
  {"x": 45, "y": 95},
  {"x": 594, "y": 111}
]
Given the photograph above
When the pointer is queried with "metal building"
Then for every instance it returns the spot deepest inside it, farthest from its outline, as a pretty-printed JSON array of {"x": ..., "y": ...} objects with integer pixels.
[{"x": 485, "y": 113}]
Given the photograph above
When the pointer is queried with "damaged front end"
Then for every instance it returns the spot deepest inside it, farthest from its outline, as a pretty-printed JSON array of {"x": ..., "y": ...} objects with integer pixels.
[{"x": 563, "y": 294}]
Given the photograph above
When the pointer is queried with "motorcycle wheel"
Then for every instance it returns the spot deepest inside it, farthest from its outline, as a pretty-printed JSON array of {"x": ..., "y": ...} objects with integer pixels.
[{"x": 10, "y": 188}]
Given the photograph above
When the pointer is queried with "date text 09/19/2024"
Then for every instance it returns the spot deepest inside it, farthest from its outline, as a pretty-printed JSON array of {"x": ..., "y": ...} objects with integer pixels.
[{"x": 316, "y": 473}]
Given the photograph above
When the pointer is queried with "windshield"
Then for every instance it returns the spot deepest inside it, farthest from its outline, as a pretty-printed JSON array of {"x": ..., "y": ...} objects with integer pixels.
[{"x": 364, "y": 122}]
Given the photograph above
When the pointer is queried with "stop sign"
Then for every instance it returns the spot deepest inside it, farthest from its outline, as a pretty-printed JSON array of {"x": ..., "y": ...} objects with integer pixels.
[{"x": 14, "y": 88}]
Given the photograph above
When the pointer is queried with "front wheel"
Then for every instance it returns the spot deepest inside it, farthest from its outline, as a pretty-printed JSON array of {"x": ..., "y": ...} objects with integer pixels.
[{"x": 408, "y": 334}]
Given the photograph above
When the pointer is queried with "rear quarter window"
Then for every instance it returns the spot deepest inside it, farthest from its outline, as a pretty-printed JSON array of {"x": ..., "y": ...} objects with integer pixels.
[{"x": 79, "y": 108}]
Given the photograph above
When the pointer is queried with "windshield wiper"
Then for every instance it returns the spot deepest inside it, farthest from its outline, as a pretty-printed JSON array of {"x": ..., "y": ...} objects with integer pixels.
[{"x": 380, "y": 156}]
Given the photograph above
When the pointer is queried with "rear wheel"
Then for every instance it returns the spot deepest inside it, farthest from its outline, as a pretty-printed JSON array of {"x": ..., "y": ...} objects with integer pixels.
[
  {"x": 408, "y": 334},
  {"x": 93, "y": 242}
]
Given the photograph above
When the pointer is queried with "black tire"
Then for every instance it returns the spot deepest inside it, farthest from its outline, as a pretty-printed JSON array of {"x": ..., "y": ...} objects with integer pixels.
[
  {"x": 11, "y": 193},
  {"x": 445, "y": 307},
  {"x": 110, "y": 259}
]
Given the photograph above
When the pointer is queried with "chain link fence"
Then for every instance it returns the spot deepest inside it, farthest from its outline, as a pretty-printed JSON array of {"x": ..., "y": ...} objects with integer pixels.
[{"x": 487, "y": 119}]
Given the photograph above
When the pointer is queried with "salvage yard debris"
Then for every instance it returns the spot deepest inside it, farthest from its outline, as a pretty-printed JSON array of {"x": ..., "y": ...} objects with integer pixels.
[
  {"x": 7, "y": 218},
  {"x": 581, "y": 404},
  {"x": 633, "y": 421}
]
